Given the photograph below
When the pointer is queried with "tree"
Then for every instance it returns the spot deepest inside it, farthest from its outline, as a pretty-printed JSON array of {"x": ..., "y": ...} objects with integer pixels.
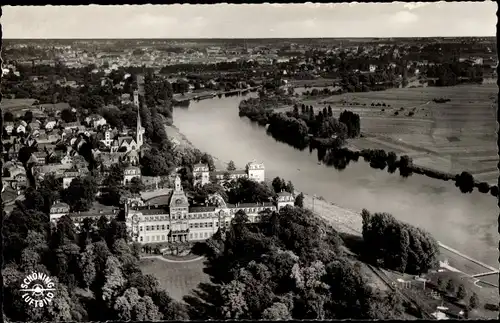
[
  {"x": 136, "y": 186},
  {"x": 68, "y": 116},
  {"x": 8, "y": 117},
  {"x": 277, "y": 184},
  {"x": 462, "y": 292},
  {"x": 235, "y": 306},
  {"x": 277, "y": 312},
  {"x": 450, "y": 286},
  {"x": 81, "y": 193},
  {"x": 240, "y": 218},
  {"x": 114, "y": 280},
  {"x": 299, "y": 200},
  {"x": 231, "y": 166},
  {"x": 397, "y": 245},
  {"x": 465, "y": 182},
  {"x": 28, "y": 116},
  {"x": 474, "y": 301},
  {"x": 87, "y": 266},
  {"x": 289, "y": 187},
  {"x": 441, "y": 284},
  {"x": 131, "y": 306}
]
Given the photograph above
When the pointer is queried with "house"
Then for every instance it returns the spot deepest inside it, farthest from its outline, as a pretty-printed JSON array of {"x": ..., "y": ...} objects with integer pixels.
[
  {"x": 67, "y": 159},
  {"x": 21, "y": 127},
  {"x": 95, "y": 121},
  {"x": 37, "y": 158},
  {"x": 9, "y": 127},
  {"x": 107, "y": 159},
  {"x": 50, "y": 124},
  {"x": 69, "y": 176},
  {"x": 201, "y": 174},
  {"x": 71, "y": 125},
  {"x": 131, "y": 172},
  {"x": 132, "y": 157},
  {"x": 34, "y": 125},
  {"x": 285, "y": 199},
  {"x": 58, "y": 210},
  {"x": 56, "y": 169}
]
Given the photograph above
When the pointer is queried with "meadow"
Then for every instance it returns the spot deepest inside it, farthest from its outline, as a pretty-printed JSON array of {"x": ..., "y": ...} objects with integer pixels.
[
  {"x": 177, "y": 278},
  {"x": 455, "y": 136}
]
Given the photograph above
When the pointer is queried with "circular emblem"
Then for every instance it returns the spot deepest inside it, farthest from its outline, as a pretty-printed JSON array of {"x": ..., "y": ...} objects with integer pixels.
[
  {"x": 135, "y": 219},
  {"x": 37, "y": 289}
]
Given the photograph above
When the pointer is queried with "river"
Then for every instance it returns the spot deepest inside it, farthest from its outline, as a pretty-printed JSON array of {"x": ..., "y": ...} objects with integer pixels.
[{"x": 466, "y": 222}]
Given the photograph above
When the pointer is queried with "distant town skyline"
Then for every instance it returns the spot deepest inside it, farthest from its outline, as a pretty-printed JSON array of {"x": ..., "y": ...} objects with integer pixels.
[{"x": 438, "y": 19}]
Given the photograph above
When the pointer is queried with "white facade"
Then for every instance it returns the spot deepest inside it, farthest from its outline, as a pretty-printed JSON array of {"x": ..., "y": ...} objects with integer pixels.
[
  {"x": 256, "y": 171},
  {"x": 178, "y": 221},
  {"x": 129, "y": 173},
  {"x": 201, "y": 174},
  {"x": 284, "y": 199},
  {"x": 253, "y": 171}
]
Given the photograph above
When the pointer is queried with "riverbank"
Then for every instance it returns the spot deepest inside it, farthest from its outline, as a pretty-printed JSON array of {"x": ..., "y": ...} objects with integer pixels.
[
  {"x": 183, "y": 142},
  {"x": 351, "y": 222}
]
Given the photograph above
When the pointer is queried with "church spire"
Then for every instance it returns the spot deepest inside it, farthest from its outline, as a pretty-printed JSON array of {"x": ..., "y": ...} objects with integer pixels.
[{"x": 140, "y": 130}]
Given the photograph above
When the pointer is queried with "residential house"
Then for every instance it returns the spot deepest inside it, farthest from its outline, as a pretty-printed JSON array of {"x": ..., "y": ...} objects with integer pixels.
[
  {"x": 95, "y": 121},
  {"x": 9, "y": 127},
  {"x": 131, "y": 172},
  {"x": 71, "y": 125},
  {"x": 55, "y": 169},
  {"x": 34, "y": 125},
  {"x": 69, "y": 176},
  {"x": 21, "y": 126},
  {"x": 58, "y": 210},
  {"x": 37, "y": 158},
  {"x": 285, "y": 199},
  {"x": 50, "y": 124},
  {"x": 14, "y": 175},
  {"x": 132, "y": 157}
]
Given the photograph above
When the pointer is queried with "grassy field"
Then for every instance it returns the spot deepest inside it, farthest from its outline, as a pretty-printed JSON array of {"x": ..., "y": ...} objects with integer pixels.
[
  {"x": 456, "y": 136},
  {"x": 178, "y": 279}
]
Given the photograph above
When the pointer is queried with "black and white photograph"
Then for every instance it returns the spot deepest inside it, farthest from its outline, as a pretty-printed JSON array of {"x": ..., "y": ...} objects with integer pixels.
[{"x": 306, "y": 161}]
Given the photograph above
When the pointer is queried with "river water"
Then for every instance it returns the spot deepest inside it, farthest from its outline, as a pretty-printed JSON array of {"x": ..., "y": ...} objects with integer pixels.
[{"x": 466, "y": 222}]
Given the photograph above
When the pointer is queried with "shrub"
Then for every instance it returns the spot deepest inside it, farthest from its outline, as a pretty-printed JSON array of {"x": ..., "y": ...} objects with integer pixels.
[
  {"x": 462, "y": 292},
  {"x": 474, "y": 301}
]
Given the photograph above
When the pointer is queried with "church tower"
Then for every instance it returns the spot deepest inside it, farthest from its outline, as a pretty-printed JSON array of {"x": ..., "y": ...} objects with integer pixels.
[
  {"x": 136, "y": 99},
  {"x": 139, "y": 131},
  {"x": 178, "y": 185}
]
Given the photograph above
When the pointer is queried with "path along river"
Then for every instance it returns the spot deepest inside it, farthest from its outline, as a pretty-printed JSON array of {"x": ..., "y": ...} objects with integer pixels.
[{"x": 466, "y": 222}]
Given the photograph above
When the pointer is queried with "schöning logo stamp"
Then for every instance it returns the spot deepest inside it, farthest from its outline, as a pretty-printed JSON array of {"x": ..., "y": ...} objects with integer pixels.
[{"x": 37, "y": 288}]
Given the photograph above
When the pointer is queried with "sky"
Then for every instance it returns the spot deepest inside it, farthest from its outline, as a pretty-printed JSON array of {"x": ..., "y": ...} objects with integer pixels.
[{"x": 307, "y": 20}]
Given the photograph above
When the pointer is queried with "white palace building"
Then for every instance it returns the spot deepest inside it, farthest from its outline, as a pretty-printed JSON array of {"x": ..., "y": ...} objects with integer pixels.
[{"x": 178, "y": 221}]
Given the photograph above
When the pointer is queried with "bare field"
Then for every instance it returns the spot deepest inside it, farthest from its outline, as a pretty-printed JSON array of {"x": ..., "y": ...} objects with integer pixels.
[
  {"x": 178, "y": 279},
  {"x": 459, "y": 135}
]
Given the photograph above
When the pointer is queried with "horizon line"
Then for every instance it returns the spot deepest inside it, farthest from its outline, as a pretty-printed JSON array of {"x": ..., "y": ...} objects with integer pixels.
[{"x": 229, "y": 38}]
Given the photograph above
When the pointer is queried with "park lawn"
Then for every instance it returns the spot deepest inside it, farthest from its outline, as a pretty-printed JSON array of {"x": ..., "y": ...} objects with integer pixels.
[{"x": 178, "y": 279}]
